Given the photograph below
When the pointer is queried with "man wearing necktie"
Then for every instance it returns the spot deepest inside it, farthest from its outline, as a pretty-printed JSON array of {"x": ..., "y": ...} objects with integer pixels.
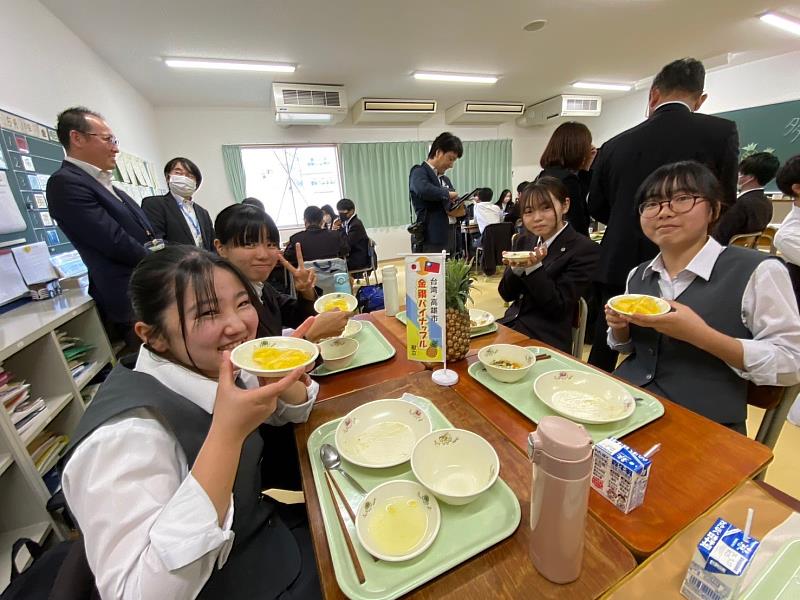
[{"x": 105, "y": 225}]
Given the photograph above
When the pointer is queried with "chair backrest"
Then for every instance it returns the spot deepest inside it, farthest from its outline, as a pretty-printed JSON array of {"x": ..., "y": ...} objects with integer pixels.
[
  {"x": 326, "y": 270},
  {"x": 579, "y": 329},
  {"x": 777, "y": 401},
  {"x": 746, "y": 240}
]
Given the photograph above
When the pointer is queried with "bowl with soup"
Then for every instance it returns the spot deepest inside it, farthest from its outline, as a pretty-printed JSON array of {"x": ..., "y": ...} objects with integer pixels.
[
  {"x": 506, "y": 362},
  {"x": 274, "y": 356},
  {"x": 639, "y": 304},
  {"x": 336, "y": 301}
]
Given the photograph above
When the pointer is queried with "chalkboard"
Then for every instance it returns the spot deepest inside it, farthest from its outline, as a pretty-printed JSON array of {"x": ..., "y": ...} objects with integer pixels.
[{"x": 772, "y": 126}]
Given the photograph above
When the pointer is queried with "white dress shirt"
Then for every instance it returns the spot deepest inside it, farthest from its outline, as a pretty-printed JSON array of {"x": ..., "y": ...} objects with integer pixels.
[
  {"x": 450, "y": 220},
  {"x": 151, "y": 530},
  {"x": 104, "y": 177},
  {"x": 487, "y": 213},
  {"x": 769, "y": 311},
  {"x": 787, "y": 240},
  {"x": 186, "y": 206}
]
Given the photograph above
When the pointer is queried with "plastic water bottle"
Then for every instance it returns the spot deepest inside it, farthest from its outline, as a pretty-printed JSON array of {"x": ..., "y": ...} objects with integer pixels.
[
  {"x": 391, "y": 297},
  {"x": 341, "y": 283}
]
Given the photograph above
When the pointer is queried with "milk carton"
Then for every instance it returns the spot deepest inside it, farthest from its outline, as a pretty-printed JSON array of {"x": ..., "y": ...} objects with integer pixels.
[
  {"x": 719, "y": 563},
  {"x": 620, "y": 474}
]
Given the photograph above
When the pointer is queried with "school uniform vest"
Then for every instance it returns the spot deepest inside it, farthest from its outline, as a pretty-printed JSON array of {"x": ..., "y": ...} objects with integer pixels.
[
  {"x": 264, "y": 559},
  {"x": 682, "y": 372}
]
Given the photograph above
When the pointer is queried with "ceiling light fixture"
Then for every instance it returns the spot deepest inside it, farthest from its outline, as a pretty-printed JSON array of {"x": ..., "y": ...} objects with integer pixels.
[
  {"x": 535, "y": 25},
  {"x": 455, "y": 77},
  {"x": 611, "y": 87},
  {"x": 781, "y": 22},
  {"x": 228, "y": 65}
]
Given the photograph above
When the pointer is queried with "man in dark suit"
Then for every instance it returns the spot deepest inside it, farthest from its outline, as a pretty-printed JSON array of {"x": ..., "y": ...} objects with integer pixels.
[
  {"x": 105, "y": 225},
  {"x": 176, "y": 217},
  {"x": 356, "y": 233},
  {"x": 431, "y": 192},
  {"x": 672, "y": 132},
  {"x": 752, "y": 211},
  {"x": 317, "y": 243}
]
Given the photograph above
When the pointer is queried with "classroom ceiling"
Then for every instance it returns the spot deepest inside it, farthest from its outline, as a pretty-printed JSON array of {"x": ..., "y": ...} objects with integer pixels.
[{"x": 372, "y": 47}]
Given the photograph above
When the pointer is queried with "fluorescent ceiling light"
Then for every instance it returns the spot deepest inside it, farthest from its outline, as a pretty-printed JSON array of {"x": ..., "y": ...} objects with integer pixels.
[
  {"x": 790, "y": 25},
  {"x": 228, "y": 65},
  {"x": 456, "y": 77},
  {"x": 316, "y": 117},
  {"x": 591, "y": 85}
]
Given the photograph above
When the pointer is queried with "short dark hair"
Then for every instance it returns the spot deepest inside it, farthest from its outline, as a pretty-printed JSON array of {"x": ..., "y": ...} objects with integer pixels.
[
  {"x": 502, "y": 195},
  {"x": 485, "y": 194},
  {"x": 446, "y": 142},
  {"x": 186, "y": 164},
  {"x": 682, "y": 75},
  {"x": 789, "y": 175},
  {"x": 761, "y": 165},
  {"x": 568, "y": 147},
  {"x": 541, "y": 193},
  {"x": 313, "y": 215},
  {"x": 345, "y": 204},
  {"x": 253, "y": 202},
  {"x": 73, "y": 119},
  {"x": 522, "y": 186},
  {"x": 685, "y": 176},
  {"x": 243, "y": 224},
  {"x": 164, "y": 277}
]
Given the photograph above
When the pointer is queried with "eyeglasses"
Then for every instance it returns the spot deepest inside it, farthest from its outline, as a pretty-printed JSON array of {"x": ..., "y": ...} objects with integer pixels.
[
  {"x": 677, "y": 204},
  {"x": 108, "y": 139}
]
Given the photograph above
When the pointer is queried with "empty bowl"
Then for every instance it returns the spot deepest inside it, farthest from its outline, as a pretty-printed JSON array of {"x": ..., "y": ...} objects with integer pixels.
[
  {"x": 455, "y": 464},
  {"x": 506, "y": 362},
  {"x": 478, "y": 319},
  {"x": 352, "y": 328},
  {"x": 398, "y": 520},
  {"x": 336, "y": 301},
  {"x": 337, "y": 353},
  {"x": 274, "y": 356}
]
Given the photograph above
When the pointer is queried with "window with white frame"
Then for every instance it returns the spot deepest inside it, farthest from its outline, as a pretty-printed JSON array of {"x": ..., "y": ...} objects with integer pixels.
[{"x": 287, "y": 179}]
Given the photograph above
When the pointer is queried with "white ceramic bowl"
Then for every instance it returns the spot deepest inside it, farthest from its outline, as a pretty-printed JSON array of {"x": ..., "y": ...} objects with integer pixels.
[
  {"x": 381, "y": 433},
  {"x": 663, "y": 305},
  {"x": 517, "y": 257},
  {"x": 393, "y": 492},
  {"x": 242, "y": 355},
  {"x": 584, "y": 397},
  {"x": 321, "y": 305},
  {"x": 455, "y": 464},
  {"x": 481, "y": 318},
  {"x": 338, "y": 352},
  {"x": 352, "y": 328},
  {"x": 489, "y": 356}
]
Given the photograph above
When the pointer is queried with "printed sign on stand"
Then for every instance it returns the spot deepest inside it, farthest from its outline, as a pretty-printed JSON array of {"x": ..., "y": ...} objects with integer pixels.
[{"x": 425, "y": 307}]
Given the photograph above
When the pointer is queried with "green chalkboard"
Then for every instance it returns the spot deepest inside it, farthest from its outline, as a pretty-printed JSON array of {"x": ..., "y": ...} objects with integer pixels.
[{"x": 772, "y": 126}]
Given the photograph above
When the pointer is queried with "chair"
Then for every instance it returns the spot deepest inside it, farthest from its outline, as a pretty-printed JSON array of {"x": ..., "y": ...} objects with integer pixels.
[
  {"x": 579, "y": 329},
  {"x": 495, "y": 239},
  {"x": 745, "y": 240},
  {"x": 776, "y": 401},
  {"x": 368, "y": 270}
]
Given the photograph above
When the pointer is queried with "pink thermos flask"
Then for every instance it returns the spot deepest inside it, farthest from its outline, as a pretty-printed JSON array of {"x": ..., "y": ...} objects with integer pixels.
[{"x": 561, "y": 452}]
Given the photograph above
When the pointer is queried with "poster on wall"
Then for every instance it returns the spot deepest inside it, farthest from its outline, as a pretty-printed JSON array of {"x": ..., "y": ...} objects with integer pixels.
[{"x": 11, "y": 219}]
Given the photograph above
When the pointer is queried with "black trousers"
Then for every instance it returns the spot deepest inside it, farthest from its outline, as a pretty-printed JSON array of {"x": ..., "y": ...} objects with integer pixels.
[{"x": 601, "y": 355}]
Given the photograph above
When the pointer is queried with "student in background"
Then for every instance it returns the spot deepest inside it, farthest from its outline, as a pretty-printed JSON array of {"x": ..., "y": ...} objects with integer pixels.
[
  {"x": 253, "y": 202},
  {"x": 734, "y": 316},
  {"x": 544, "y": 290},
  {"x": 177, "y": 218},
  {"x": 512, "y": 211},
  {"x": 328, "y": 216},
  {"x": 163, "y": 473},
  {"x": 486, "y": 213},
  {"x": 752, "y": 211},
  {"x": 249, "y": 239},
  {"x": 317, "y": 243},
  {"x": 568, "y": 157},
  {"x": 356, "y": 234},
  {"x": 504, "y": 201}
]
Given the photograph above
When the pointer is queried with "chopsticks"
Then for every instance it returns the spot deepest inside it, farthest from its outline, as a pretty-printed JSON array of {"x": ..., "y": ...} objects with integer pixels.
[
  {"x": 350, "y": 548},
  {"x": 543, "y": 356}
]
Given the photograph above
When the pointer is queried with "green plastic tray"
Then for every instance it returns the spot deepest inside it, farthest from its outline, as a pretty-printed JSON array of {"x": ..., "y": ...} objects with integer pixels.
[
  {"x": 521, "y": 396},
  {"x": 372, "y": 348},
  {"x": 465, "y": 530},
  {"x": 401, "y": 316},
  {"x": 780, "y": 579}
]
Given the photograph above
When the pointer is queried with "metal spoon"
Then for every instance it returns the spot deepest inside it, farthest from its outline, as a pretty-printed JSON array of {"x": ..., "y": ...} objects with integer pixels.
[{"x": 331, "y": 460}]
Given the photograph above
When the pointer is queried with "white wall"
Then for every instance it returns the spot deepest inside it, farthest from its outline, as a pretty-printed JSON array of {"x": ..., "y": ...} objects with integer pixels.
[{"x": 47, "y": 68}]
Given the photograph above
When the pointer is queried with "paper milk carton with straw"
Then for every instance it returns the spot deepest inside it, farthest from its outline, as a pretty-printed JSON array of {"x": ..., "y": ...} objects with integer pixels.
[
  {"x": 620, "y": 473},
  {"x": 719, "y": 563}
]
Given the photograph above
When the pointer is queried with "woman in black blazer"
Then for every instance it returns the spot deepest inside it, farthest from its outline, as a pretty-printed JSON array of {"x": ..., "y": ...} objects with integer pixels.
[{"x": 544, "y": 288}]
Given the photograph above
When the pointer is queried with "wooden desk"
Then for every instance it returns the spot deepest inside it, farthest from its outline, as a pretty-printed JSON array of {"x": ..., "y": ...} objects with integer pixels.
[
  {"x": 700, "y": 462},
  {"x": 502, "y": 571},
  {"x": 355, "y": 379}
]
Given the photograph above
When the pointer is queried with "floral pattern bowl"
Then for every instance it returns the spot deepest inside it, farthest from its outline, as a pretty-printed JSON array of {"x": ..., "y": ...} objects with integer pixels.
[
  {"x": 506, "y": 362},
  {"x": 338, "y": 352}
]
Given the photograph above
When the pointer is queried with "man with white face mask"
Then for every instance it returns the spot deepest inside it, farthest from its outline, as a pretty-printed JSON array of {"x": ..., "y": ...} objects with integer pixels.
[{"x": 175, "y": 216}]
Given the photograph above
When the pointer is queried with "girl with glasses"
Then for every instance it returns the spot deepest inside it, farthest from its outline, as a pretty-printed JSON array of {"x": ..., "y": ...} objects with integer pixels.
[{"x": 733, "y": 316}]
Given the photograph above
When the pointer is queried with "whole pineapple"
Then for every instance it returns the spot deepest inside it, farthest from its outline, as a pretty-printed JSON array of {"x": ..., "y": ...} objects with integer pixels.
[{"x": 458, "y": 285}]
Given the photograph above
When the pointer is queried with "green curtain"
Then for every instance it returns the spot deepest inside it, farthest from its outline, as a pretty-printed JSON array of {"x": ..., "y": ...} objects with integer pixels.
[
  {"x": 376, "y": 175},
  {"x": 234, "y": 171}
]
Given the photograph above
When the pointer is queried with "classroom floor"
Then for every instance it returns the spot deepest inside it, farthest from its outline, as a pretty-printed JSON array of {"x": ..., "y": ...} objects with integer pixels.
[{"x": 782, "y": 473}]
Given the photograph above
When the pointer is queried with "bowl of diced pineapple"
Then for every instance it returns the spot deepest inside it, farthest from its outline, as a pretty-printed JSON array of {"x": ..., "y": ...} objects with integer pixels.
[
  {"x": 274, "y": 356},
  {"x": 336, "y": 301}
]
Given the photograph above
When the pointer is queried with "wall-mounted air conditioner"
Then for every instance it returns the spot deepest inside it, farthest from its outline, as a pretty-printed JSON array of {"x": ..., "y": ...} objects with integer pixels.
[
  {"x": 560, "y": 107},
  {"x": 486, "y": 113},
  {"x": 308, "y": 104},
  {"x": 391, "y": 110}
]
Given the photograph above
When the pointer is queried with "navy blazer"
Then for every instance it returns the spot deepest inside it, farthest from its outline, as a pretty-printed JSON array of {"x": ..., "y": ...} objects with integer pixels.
[
  {"x": 170, "y": 225},
  {"x": 544, "y": 302},
  {"x": 108, "y": 233},
  {"x": 430, "y": 200}
]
